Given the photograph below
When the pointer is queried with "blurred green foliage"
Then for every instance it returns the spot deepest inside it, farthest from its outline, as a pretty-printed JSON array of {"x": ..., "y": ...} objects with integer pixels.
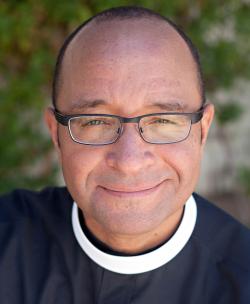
[
  {"x": 228, "y": 113},
  {"x": 244, "y": 175},
  {"x": 31, "y": 33}
]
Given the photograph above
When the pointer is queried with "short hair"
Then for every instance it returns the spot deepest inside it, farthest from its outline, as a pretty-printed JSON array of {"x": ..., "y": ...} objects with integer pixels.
[{"x": 125, "y": 13}]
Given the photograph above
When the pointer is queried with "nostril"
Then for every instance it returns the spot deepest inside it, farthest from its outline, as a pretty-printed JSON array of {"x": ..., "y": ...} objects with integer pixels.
[{"x": 141, "y": 130}]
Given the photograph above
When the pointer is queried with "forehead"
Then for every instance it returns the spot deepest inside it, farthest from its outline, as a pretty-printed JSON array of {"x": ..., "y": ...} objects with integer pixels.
[
  {"x": 126, "y": 55},
  {"x": 118, "y": 38}
]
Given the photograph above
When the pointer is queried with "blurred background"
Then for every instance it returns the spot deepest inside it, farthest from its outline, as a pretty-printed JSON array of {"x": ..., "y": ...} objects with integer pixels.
[{"x": 31, "y": 33}]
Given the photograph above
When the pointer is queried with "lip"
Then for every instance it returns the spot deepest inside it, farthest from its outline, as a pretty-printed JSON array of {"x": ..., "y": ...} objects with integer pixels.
[{"x": 127, "y": 193}]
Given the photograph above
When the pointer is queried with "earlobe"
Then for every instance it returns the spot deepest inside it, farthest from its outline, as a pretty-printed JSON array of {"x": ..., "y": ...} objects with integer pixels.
[
  {"x": 52, "y": 126},
  {"x": 206, "y": 122}
]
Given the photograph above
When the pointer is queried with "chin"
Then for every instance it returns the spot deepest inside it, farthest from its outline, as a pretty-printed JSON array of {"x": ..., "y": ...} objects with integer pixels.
[{"x": 132, "y": 219}]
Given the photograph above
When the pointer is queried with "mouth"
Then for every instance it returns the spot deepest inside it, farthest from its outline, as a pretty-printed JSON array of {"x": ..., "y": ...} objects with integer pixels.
[{"x": 131, "y": 192}]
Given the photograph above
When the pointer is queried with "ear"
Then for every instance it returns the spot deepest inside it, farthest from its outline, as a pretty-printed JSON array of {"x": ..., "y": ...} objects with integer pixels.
[
  {"x": 52, "y": 125},
  {"x": 206, "y": 122}
]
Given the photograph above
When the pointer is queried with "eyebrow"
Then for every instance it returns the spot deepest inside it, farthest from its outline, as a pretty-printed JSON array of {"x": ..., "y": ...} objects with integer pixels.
[
  {"x": 168, "y": 106},
  {"x": 83, "y": 104}
]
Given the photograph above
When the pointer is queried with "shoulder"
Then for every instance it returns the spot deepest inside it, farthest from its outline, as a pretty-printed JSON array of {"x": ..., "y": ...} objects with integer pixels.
[
  {"x": 21, "y": 203},
  {"x": 225, "y": 239}
]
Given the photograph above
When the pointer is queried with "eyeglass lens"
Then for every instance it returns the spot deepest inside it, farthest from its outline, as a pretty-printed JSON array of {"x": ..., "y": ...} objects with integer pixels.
[
  {"x": 94, "y": 129},
  {"x": 154, "y": 129},
  {"x": 165, "y": 128}
]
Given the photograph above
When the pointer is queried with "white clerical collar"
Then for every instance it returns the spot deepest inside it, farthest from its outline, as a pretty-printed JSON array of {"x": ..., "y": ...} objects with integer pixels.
[{"x": 143, "y": 262}]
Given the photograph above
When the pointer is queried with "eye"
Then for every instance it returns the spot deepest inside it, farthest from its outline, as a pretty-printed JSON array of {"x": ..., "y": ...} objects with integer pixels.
[
  {"x": 163, "y": 121},
  {"x": 95, "y": 122}
]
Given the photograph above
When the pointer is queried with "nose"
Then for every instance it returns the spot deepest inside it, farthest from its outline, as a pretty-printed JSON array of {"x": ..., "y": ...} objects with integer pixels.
[{"x": 130, "y": 154}]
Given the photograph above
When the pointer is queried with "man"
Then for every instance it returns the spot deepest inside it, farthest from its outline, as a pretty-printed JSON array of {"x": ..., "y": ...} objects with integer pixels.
[{"x": 129, "y": 123}]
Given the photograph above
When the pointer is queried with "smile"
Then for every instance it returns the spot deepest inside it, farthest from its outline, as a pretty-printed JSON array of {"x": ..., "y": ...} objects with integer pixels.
[{"x": 127, "y": 193}]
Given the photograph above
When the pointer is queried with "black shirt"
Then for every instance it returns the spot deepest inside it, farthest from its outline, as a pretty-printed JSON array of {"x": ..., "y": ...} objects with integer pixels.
[{"x": 41, "y": 260}]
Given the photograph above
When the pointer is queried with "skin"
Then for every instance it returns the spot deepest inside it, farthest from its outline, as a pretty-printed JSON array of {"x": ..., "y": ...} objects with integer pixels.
[{"x": 131, "y": 193}]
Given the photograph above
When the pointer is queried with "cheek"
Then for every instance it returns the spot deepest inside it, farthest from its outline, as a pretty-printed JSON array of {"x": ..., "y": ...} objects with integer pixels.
[
  {"x": 79, "y": 163},
  {"x": 184, "y": 158}
]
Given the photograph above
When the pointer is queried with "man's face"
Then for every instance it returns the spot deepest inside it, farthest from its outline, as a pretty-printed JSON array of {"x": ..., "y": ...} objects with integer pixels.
[{"x": 130, "y": 68}]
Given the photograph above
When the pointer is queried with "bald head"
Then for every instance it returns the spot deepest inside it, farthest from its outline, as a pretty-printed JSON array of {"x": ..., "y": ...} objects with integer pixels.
[{"x": 121, "y": 32}]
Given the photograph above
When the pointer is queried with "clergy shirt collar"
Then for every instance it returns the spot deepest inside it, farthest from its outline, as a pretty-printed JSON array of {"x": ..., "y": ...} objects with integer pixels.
[{"x": 143, "y": 262}]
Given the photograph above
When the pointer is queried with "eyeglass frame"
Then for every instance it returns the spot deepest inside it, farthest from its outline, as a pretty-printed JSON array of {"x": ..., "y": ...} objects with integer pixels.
[{"x": 65, "y": 119}]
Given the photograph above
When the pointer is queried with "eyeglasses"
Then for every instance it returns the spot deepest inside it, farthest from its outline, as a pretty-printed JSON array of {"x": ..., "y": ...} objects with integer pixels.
[{"x": 105, "y": 129}]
